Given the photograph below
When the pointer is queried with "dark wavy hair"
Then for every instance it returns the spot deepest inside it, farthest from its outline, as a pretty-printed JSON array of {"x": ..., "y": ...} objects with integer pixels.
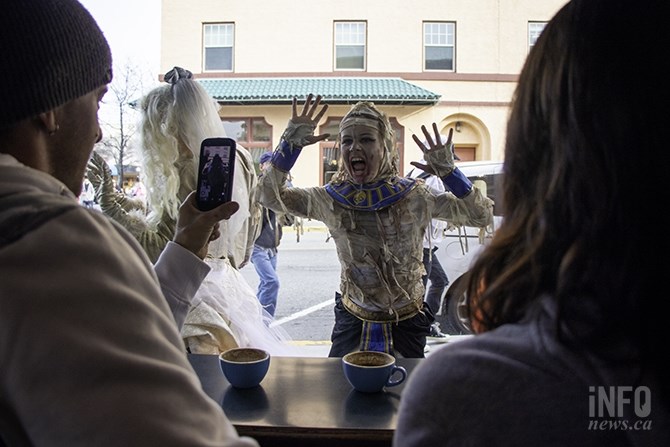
[{"x": 584, "y": 156}]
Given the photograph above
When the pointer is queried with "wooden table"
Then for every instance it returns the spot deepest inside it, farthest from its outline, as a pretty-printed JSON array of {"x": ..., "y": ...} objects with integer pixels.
[{"x": 305, "y": 401}]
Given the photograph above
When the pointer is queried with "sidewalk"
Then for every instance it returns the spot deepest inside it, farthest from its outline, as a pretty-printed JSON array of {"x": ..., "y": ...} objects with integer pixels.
[
  {"x": 309, "y": 348},
  {"x": 312, "y": 348}
]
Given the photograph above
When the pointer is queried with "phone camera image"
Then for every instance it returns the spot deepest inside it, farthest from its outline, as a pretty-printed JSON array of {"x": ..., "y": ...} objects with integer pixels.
[{"x": 215, "y": 172}]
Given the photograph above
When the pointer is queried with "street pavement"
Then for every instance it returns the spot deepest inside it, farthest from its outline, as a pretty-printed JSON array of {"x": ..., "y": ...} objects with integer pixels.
[{"x": 309, "y": 273}]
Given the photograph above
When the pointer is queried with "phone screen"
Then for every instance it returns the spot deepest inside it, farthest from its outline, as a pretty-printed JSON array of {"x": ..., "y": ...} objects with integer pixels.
[{"x": 215, "y": 172}]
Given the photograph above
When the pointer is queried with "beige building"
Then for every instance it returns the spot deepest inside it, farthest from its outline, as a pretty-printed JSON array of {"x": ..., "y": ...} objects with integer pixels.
[{"x": 452, "y": 62}]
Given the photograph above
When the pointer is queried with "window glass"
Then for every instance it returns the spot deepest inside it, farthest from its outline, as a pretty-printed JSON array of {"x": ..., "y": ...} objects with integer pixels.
[
  {"x": 254, "y": 134},
  {"x": 330, "y": 155},
  {"x": 439, "y": 44},
  {"x": 236, "y": 129},
  {"x": 330, "y": 159},
  {"x": 218, "y": 47},
  {"x": 350, "y": 45},
  {"x": 261, "y": 130},
  {"x": 534, "y": 31}
]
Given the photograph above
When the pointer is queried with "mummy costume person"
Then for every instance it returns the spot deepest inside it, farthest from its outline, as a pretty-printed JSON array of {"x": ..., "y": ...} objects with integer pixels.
[
  {"x": 225, "y": 312},
  {"x": 377, "y": 220}
]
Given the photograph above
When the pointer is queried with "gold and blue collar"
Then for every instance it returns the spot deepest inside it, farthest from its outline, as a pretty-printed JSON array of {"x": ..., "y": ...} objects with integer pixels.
[{"x": 371, "y": 196}]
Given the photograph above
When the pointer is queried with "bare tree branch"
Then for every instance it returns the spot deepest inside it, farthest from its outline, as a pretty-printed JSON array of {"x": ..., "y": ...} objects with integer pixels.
[{"x": 120, "y": 124}]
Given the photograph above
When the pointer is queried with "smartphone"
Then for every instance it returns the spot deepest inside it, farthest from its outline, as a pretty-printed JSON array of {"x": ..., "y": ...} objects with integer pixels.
[{"x": 215, "y": 172}]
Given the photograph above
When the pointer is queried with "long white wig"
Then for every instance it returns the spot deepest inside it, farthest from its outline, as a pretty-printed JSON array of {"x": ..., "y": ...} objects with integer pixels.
[
  {"x": 172, "y": 114},
  {"x": 182, "y": 113}
]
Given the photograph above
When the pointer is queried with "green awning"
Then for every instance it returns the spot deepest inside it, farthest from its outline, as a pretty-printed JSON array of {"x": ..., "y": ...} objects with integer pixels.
[{"x": 252, "y": 91}]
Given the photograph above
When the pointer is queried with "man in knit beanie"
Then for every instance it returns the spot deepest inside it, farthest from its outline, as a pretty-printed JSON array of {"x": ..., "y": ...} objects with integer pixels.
[
  {"x": 53, "y": 52},
  {"x": 89, "y": 348}
]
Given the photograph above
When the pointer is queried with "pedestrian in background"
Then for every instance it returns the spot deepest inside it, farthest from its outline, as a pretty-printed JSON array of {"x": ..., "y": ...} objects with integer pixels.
[
  {"x": 264, "y": 255},
  {"x": 87, "y": 196}
]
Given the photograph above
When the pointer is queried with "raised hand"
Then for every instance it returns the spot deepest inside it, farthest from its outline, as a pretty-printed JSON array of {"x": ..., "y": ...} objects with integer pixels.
[
  {"x": 300, "y": 130},
  {"x": 100, "y": 175},
  {"x": 440, "y": 156},
  {"x": 113, "y": 203}
]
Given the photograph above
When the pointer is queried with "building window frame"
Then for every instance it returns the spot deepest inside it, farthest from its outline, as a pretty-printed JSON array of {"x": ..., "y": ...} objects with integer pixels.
[
  {"x": 218, "y": 47},
  {"x": 252, "y": 133},
  {"x": 535, "y": 28},
  {"x": 439, "y": 46},
  {"x": 350, "y": 45}
]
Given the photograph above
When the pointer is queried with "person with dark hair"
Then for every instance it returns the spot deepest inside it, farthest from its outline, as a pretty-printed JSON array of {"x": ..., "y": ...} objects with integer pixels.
[
  {"x": 565, "y": 299},
  {"x": 377, "y": 220},
  {"x": 264, "y": 255},
  {"x": 90, "y": 352}
]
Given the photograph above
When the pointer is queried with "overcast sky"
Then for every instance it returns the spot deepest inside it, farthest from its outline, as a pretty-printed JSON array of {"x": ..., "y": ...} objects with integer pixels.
[{"x": 132, "y": 28}]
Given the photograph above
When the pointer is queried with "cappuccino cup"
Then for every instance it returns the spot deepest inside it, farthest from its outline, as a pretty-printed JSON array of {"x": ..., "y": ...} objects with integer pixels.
[
  {"x": 371, "y": 371},
  {"x": 244, "y": 367}
]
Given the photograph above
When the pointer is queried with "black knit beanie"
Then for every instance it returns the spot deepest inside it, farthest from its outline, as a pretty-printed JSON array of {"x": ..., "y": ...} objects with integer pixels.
[{"x": 51, "y": 52}]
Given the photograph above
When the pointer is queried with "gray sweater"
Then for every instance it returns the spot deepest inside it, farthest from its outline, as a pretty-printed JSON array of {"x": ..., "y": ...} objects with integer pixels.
[{"x": 519, "y": 385}]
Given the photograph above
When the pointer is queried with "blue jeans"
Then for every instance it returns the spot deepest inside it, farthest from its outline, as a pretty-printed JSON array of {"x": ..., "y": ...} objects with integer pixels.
[
  {"x": 265, "y": 263},
  {"x": 438, "y": 280}
]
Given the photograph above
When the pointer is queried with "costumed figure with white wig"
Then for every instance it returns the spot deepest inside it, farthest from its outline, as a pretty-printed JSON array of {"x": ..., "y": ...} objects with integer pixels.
[
  {"x": 377, "y": 220},
  {"x": 176, "y": 117}
]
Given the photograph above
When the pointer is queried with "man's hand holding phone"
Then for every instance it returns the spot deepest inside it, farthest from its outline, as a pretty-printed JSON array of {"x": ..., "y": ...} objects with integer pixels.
[{"x": 196, "y": 229}]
